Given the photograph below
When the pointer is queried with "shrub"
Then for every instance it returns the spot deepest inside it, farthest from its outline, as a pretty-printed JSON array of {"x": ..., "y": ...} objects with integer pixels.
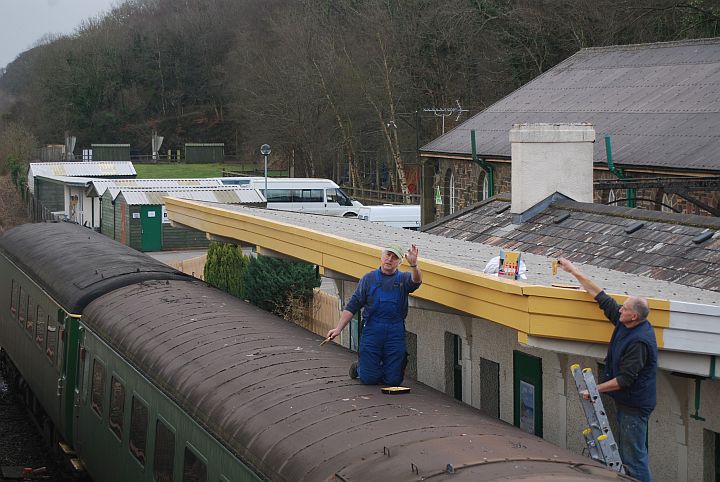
[{"x": 272, "y": 284}]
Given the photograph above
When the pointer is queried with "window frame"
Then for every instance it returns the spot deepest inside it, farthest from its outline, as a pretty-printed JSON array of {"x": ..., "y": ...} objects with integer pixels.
[
  {"x": 132, "y": 448},
  {"x": 198, "y": 455},
  {"x": 159, "y": 419},
  {"x": 14, "y": 298},
  {"x": 93, "y": 408},
  {"x": 114, "y": 377}
]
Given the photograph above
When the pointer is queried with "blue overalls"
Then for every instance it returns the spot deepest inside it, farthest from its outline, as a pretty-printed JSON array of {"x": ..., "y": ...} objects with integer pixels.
[{"x": 382, "y": 346}]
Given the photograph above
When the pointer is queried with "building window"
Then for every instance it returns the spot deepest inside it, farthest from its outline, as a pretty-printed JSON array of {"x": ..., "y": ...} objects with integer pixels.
[
  {"x": 611, "y": 198},
  {"x": 194, "y": 469},
  {"x": 453, "y": 196},
  {"x": 449, "y": 179},
  {"x": 138, "y": 430},
  {"x": 98, "y": 388},
  {"x": 665, "y": 207},
  {"x": 117, "y": 407},
  {"x": 490, "y": 387},
  {"x": 164, "y": 453},
  {"x": 486, "y": 187}
]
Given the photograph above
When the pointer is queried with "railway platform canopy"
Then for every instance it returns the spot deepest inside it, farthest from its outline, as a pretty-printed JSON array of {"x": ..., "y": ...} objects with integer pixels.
[{"x": 686, "y": 319}]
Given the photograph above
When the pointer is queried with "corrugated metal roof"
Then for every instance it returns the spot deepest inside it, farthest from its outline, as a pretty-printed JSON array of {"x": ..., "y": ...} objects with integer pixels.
[
  {"x": 98, "y": 186},
  {"x": 86, "y": 169},
  {"x": 228, "y": 196},
  {"x": 659, "y": 102},
  {"x": 67, "y": 180}
]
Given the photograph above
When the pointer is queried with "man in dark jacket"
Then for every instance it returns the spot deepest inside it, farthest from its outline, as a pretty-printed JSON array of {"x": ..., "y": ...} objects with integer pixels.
[{"x": 630, "y": 369}]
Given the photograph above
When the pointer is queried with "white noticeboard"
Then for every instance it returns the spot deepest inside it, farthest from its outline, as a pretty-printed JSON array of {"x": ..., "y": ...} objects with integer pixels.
[
  {"x": 165, "y": 218},
  {"x": 151, "y": 214},
  {"x": 136, "y": 215}
]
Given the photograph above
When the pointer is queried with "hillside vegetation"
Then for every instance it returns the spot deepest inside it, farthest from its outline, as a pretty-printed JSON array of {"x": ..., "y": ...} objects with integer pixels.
[{"x": 323, "y": 82}]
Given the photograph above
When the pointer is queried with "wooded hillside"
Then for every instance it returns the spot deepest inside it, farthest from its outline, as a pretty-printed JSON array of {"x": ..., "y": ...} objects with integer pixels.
[{"x": 321, "y": 81}]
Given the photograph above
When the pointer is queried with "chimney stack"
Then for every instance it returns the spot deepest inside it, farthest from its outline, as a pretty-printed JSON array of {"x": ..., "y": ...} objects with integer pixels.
[{"x": 550, "y": 158}]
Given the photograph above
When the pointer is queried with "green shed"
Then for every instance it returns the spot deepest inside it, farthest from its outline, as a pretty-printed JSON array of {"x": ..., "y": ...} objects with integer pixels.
[
  {"x": 136, "y": 216},
  {"x": 204, "y": 152},
  {"x": 110, "y": 152}
]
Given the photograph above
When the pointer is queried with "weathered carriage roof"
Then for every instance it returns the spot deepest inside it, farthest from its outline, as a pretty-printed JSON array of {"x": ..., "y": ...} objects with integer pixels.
[
  {"x": 667, "y": 246},
  {"x": 660, "y": 103},
  {"x": 48, "y": 253},
  {"x": 288, "y": 408},
  {"x": 83, "y": 169}
]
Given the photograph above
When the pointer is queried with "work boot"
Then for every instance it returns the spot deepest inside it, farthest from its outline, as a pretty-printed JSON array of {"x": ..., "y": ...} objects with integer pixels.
[{"x": 353, "y": 370}]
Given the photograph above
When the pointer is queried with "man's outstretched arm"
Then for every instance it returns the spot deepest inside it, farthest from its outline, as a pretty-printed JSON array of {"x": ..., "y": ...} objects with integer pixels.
[{"x": 589, "y": 285}]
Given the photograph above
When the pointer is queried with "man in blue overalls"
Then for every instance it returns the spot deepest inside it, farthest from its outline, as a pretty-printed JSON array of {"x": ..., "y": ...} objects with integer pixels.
[{"x": 383, "y": 293}]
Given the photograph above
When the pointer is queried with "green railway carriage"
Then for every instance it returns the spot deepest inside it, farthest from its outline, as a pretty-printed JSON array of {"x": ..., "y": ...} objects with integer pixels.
[
  {"x": 159, "y": 377},
  {"x": 49, "y": 274},
  {"x": 128, "y": 430}
]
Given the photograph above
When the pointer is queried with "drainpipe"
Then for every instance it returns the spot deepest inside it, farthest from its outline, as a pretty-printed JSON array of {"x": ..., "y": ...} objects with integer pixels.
[
  {"x": 489, "y": 169},
  {"x": 618, "y": 172}
]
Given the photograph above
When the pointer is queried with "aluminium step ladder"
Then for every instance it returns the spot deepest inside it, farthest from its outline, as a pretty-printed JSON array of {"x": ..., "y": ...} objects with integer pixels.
[{"x": 598, "y": 436}]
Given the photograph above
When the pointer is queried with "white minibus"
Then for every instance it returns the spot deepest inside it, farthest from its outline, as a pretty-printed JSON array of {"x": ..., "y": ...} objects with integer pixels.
[{"x": 309, "y": 195}]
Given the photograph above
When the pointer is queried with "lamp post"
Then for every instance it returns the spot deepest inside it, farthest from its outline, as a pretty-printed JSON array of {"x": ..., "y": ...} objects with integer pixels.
[{"x": 265, "y": 151}]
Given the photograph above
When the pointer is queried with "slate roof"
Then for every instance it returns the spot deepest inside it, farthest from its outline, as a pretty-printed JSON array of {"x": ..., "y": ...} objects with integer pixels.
[
  {"x": 666, "y": 247},
  {"x": 659, "y": 102}
]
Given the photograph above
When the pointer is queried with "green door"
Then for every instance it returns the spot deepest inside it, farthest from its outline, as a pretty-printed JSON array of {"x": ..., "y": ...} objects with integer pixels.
[
  {"x": 527, "y": 392},
  {"x": 151, "y": 228}
]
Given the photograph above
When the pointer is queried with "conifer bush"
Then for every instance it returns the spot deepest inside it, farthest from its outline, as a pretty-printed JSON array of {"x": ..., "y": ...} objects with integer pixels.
[
  {"x": 272, "y": 284},
  {"x": 269, "y": 283}
]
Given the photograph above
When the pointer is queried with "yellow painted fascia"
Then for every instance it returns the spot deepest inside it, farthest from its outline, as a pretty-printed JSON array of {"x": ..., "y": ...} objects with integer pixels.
[{"x": 535, "y": 310}]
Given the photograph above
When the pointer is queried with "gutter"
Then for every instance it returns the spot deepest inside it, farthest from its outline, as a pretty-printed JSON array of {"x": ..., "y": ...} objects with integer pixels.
[
  {"x": 488, "y": 168},
  {"x": 619, "y": 173}
]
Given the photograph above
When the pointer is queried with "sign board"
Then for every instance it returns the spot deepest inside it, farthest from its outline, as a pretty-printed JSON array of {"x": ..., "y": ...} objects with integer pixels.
[{"x": 165, "y": 218}]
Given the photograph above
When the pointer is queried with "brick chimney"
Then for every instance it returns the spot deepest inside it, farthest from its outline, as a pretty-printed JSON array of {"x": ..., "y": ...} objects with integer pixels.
[{"x": 550, "y": 158}]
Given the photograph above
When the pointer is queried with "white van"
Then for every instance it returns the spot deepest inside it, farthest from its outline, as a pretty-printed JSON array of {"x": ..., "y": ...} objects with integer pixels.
[
  {"x": 400, "y": 216},
  {"x": 309, "y": 195}
]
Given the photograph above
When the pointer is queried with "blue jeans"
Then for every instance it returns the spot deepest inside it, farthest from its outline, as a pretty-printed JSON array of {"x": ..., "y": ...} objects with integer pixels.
[
  {"x": 382, "y": 352},
  {"x": 631, "y": 442}
]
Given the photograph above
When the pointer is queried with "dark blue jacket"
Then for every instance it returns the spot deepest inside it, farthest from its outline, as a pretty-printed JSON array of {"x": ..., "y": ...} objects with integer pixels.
[{"x": 641, "y": 394}]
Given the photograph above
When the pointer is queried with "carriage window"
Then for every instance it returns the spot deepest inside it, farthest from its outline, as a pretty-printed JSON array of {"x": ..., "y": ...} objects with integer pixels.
[
  {"x": 164, "y": 453},
  {"x": 14, "y": 298},
  {"x": 52, "y": 336},
  {"x": 138, "y": 430},
  {"x": 117, "y": 407},
  {"x": 98, "y": 388},
  {"x": 194, "y": 470},
  {"x": 22, "y": 301},
  {"x": 40, "y": 327},
  {"x": 30, "y": 317}
]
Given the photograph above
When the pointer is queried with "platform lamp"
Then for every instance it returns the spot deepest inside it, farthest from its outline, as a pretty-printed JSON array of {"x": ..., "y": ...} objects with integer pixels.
[{"x": 265, "y": 151}]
